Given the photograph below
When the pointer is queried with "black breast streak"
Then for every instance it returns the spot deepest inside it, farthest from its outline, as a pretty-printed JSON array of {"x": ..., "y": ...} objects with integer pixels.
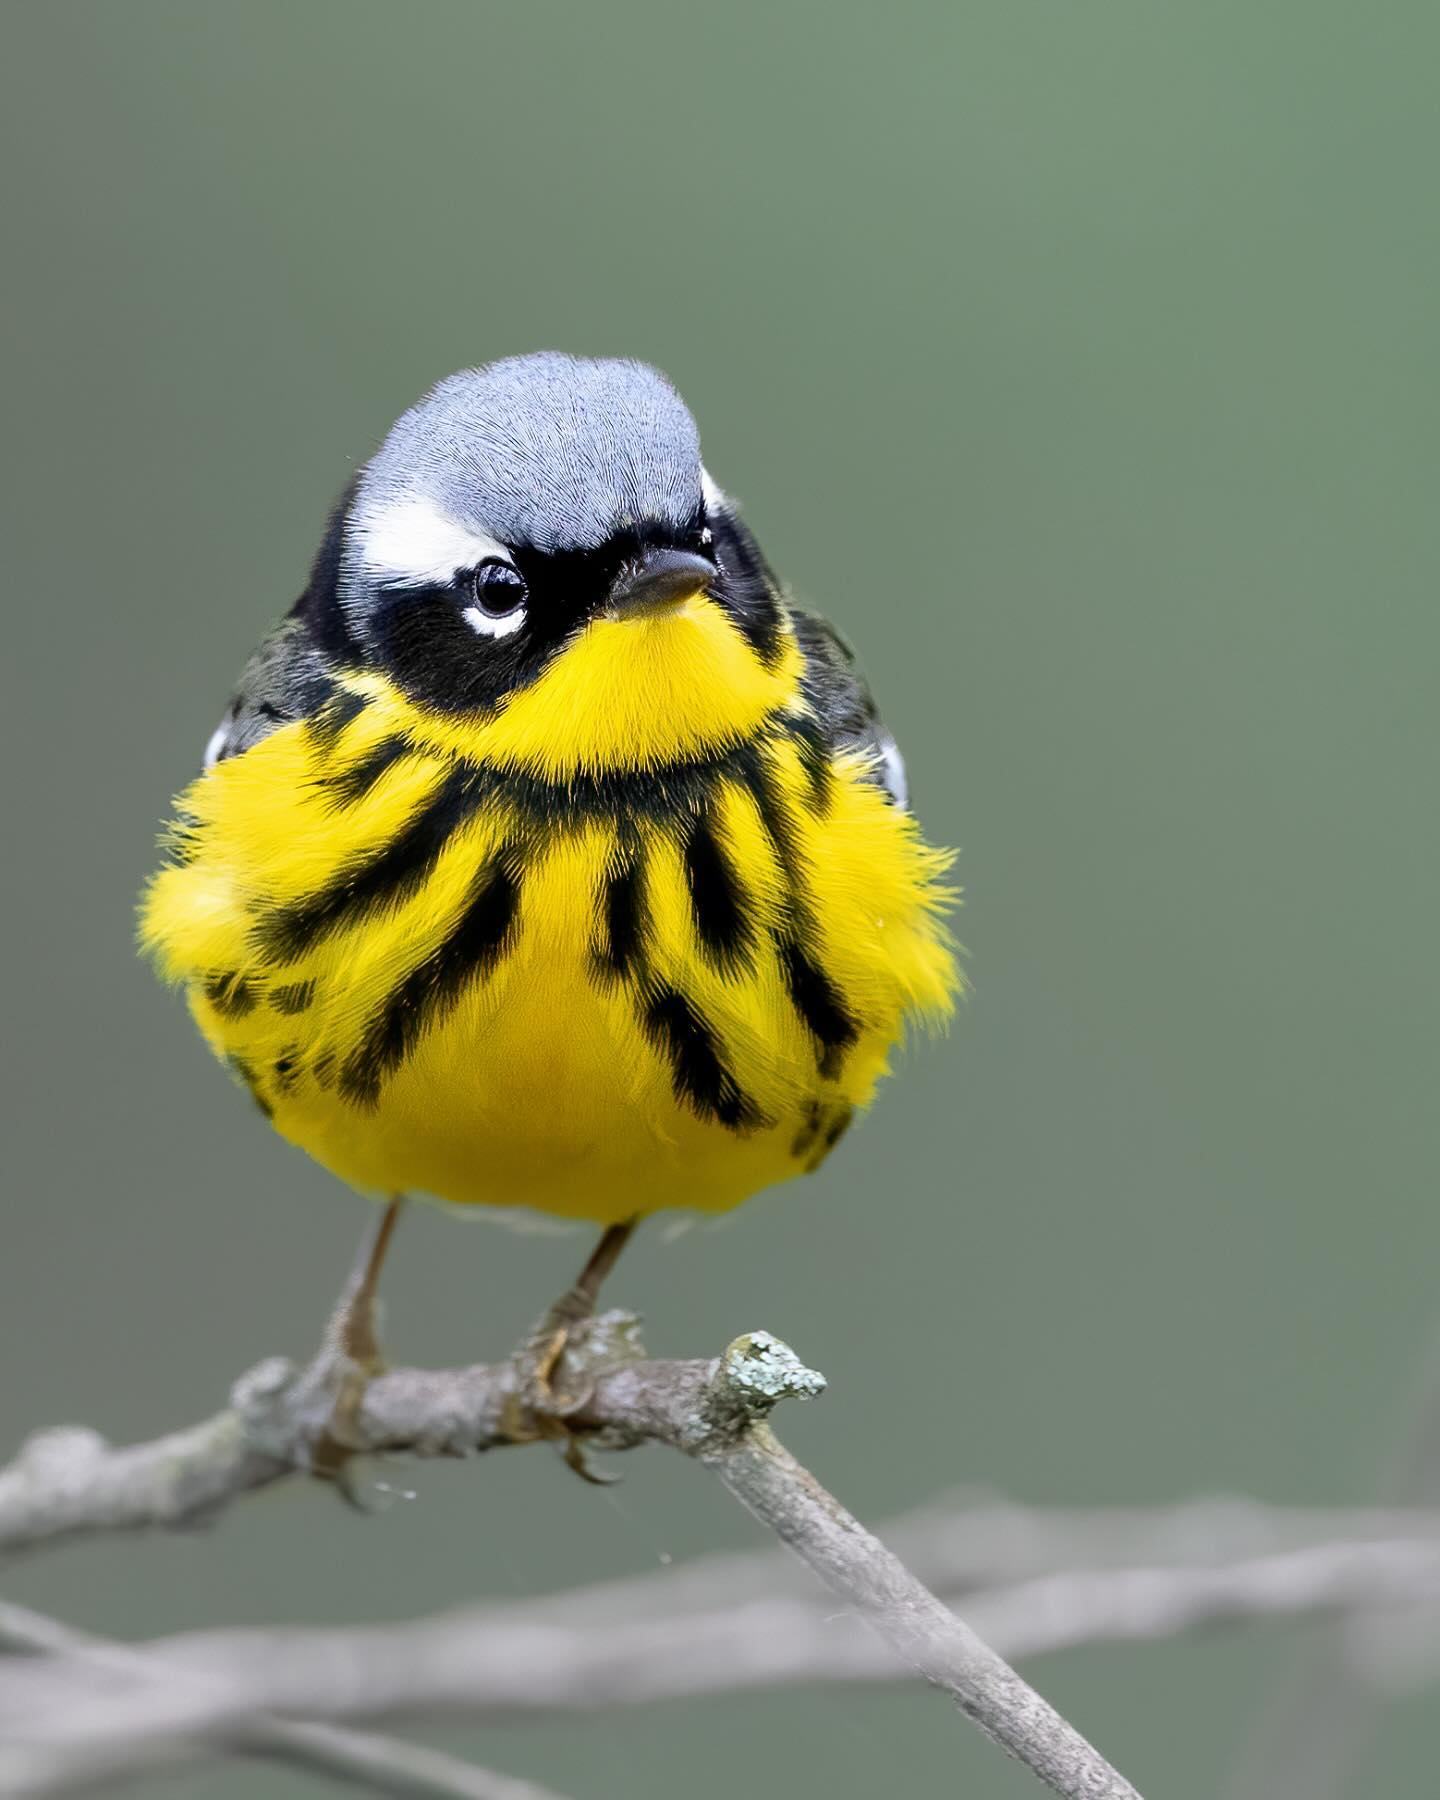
[
  {"x": 620, "y": 952},
  {"x": 482, "y": 935},
  {"x": 700, "y": 1078},
  {"x": 324, "y": 726},
  {"x": 477, "y": 941},
  {"x": 378, "y": 880},
  {"x": 348, "y": 786},
  {"x": 718, "y": 898},
  {"x": 669, "y": 1020}
]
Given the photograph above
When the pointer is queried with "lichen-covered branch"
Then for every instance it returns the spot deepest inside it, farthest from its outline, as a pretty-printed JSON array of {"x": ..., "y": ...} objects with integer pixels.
[
  {"x": 716, "y": 1411},
  {"x": 68, "y": 1482}
]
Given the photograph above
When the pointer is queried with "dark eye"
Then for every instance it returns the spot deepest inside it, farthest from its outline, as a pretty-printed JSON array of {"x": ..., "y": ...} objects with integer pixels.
[
  {"x": 498, "y": 607},
  {"x": 499, "y": 588}
]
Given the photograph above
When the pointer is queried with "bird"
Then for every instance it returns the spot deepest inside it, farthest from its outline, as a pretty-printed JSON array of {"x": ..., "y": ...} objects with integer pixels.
[{"x": 550, "y": 854}]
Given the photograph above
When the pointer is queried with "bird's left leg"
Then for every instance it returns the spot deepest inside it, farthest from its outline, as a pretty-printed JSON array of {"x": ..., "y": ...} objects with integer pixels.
[
  {"x": 541, "y": 1354},
  {"x": 352, "y": 1343}
]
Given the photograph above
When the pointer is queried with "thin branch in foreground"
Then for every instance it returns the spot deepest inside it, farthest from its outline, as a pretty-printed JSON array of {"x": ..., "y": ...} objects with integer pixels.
[
  {"x": 937, "y": 1643},
  {"x": 569, "y": 1654},
  {"x": 975, "y": 1543},
  {"x": 713, "y": 1411},
  {"x": 378, "y": 1765}
]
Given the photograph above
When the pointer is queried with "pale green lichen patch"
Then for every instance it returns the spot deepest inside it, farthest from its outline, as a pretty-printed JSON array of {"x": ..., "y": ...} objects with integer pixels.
[
  {"x": 610, "y": 1340},
  {"x": 762, "y": 1370}
]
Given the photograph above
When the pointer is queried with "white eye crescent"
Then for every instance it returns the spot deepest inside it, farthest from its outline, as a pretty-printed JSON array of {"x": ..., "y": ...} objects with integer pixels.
[{"x": 498, "y": 603}]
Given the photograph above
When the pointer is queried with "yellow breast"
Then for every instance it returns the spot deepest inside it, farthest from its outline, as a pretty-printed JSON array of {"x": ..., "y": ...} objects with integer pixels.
[{"x": 595, "y": 994}]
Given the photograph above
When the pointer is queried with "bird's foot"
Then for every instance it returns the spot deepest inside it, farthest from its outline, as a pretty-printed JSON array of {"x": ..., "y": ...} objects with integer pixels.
[
  {"x": 334, "y": 1451},
  {"x": 556, "y": 1368}
]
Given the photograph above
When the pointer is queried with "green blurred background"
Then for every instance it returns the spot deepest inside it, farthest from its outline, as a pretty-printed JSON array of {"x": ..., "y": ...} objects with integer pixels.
[{"x": 1080, "y": 361}]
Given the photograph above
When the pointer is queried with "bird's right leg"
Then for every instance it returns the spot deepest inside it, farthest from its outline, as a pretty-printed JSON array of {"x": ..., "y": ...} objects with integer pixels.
[{"x": 352, "y": 1343}]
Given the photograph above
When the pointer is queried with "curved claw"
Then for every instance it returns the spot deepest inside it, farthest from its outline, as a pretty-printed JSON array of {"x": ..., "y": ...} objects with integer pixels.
[
  {"x": 549, "y": 1411},
  {"x": 333, "y": 1456},
  {"x": 575, "y": 1459}
]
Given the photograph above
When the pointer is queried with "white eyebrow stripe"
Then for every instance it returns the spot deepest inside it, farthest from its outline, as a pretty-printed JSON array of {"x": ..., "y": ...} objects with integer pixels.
[
  {"x": 713, "y": 493},
  {"x": 416, "y": 542}
]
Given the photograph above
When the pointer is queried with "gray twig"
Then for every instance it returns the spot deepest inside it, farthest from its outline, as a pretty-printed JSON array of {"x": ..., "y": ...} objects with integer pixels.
[
  {"x": 378, "y": 1765},
  {"x": 620, "y": 1644},
  {"x": 1312, "y": 1731}
]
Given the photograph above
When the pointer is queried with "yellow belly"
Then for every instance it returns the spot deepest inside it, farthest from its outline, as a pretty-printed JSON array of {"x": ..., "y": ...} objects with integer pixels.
[
  {"x": 539, "y": 1090},
  {"x": 543, "y": 1078}
]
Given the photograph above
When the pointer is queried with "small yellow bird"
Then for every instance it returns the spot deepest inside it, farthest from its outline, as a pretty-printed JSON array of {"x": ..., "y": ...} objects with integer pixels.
[{"x": 549, "y": 854}]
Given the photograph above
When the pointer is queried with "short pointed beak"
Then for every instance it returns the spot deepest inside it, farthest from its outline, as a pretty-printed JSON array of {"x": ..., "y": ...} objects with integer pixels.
[{"x": 658, "y": 580}]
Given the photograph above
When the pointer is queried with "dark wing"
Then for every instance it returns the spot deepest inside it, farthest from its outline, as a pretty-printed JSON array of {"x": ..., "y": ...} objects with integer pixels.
[
  {"x": 289, "y": 677},
  {"x": 840, "y": 696},
  {"x": 833, "y": 684}
]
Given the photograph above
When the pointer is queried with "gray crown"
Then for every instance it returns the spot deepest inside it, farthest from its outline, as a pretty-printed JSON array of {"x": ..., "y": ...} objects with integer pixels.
[{"x": 553, "y": 451}]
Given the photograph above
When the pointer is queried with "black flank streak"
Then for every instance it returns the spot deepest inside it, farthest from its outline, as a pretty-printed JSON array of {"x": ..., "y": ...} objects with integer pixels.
[
  {"x": 700, "y": 1078},
  {"x": 838, "y": 1126},
  {"x": 286, "y": 1069},
  {"x": 231, "y": 995},
  {"x": 757, "y": 775},
  {"x": 183, "y": 844},
  {"x": 819, "y": 1004},
  {"x": 294, "y": 997},
  {"x": 717, "y": 896},
  {"x": 241, "y": 1067},
  {"x": 478, "y": 940},
  {"x": 346, "y": 787},
  {"x": 383, "y": 879},
  {"x": 809, "y": 1132},
  {"x": 814, "y": 752},
  {"x": 835, "y": 1128},
  {"x": 814, "y": 995}
]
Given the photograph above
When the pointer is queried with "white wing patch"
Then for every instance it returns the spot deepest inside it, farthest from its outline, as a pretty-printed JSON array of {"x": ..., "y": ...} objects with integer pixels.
[
  {"x": 415, "y": 542},
  {"x": 892, "y": 765},
  {"x": 215, "y": 744}
]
